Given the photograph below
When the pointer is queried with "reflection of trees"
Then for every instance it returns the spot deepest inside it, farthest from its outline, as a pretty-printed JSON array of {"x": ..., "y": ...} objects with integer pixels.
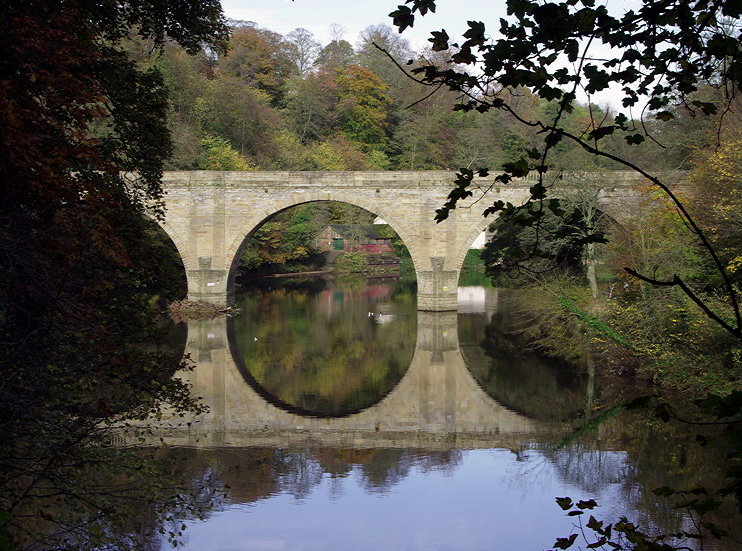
[
  {"x": 322, "y": 352},
  {"x": 251, "y": 474},
  {"x": 653, "y": 455},
  {"x": 540, "y": 388},
  {"x": 390, "y": 466},
  {"x": 301, "y": 473},
  {"x": 631, "y": 452},
  {"x": 534, "y": 385},
  {"x": 124, "y": 498}
]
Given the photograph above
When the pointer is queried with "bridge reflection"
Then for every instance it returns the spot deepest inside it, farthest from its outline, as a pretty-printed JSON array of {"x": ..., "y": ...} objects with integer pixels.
[{"x": 436, "y": 405}]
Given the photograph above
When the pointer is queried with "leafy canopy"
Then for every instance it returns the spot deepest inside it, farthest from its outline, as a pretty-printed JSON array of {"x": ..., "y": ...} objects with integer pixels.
[
  {"x": 84, "y": 137},
  {"x": 663, "y": 52}
]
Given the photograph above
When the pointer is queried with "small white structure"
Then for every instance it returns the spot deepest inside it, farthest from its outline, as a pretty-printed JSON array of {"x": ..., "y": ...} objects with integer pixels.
[{"x": 480, "y": 241}]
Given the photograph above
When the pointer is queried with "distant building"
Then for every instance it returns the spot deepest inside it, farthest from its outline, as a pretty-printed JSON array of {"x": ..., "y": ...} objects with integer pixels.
[{"x": 366, "y": 238}]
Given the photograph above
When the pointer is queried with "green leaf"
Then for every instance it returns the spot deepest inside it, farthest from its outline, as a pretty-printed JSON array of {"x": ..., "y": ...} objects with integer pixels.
[
  {"x": 715, "y": 530},
  {"x": 589, "y": 504},
  {"x": 664, "y": 116},
  {"x": 706, "y": 107},
  {"x": 534, "y": 154},
  {"x": 439, "y": 41},
  {"x": 732, "y": 8},
  {"x": 704, "y": 506},
  {"x": 598, "y": 543},
  {"x": 594, "y": 524},
  {"x": 639, "y": 402},
  {"x": 518, "y": 169},
  {"x": 598, "y": 79},
  {"x": 553, "y": 206},
  {"x": 665, "y": 412},
  {"x": 601, "y": 132},
  {"x": 402, "y": 17}
]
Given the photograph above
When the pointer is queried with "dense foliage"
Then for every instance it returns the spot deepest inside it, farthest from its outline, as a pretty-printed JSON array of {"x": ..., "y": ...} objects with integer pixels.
[
  {"x": 82, "y": 147},
  {"x": 97, "y": 98},
  {"x": 682, "y": 57},
  {"x": 308, "y": 106}
]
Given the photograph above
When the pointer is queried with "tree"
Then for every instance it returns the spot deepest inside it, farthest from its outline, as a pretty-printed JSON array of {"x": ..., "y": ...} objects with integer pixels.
[
  {"x": 218, "y": 154},
  {"x": 229, "y": 108},
  {"x": 312, "y": 105},
  {"x": 304, "y": 48},
  {"x": 262, "y": 58},
  {"x": 717, "y": 199},
  {"x": 664, "y": 51},
  {"x": 368, "y": 55},
  {"x": 364, "y": 105},
  {"x": 81, "y": 154},
  {"x": 338, "y": 54}
]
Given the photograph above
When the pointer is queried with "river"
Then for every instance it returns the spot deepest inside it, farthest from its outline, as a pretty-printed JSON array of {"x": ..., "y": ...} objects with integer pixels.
[{"x": 342, "y": 418}]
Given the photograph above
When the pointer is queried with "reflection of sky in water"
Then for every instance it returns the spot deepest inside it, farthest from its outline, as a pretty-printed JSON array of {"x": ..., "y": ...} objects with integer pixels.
[{"x": 493, "y": 500}]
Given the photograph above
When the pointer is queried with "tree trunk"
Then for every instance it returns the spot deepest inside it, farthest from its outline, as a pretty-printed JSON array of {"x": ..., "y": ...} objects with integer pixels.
[{"x": 592, "y": 277}]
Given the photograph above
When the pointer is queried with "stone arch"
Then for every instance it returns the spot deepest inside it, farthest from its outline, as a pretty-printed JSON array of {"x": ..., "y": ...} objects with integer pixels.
[
  {"x": 177, "y": 241},
  {"x": 234, "y": 250},
  {"x": 481, "y": 225}
]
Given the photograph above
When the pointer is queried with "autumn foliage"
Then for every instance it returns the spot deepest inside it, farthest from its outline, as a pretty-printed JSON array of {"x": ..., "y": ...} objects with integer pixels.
[{"x": 81, "y": 153}]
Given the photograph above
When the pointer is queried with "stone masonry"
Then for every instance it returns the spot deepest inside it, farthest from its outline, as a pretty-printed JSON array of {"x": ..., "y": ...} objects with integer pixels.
[{"x": 211, "y": 215}]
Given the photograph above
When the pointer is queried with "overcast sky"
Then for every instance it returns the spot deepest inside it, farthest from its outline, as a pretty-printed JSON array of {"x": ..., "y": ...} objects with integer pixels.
[{"x": 283, "y": 16}]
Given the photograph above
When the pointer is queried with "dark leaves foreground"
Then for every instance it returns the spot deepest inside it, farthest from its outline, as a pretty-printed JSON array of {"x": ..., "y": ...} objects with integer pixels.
[
  {"x": 663, "y": 52},
  {"x": 78, "y": 341},
  {"x": 722, "y": 421}
]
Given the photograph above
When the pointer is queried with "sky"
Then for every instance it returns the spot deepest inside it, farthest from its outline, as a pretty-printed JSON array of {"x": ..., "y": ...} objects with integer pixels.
[{"x": 283, "y": 16}]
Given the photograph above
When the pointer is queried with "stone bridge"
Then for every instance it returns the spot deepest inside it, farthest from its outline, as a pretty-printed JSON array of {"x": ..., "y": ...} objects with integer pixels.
[{"x": 210, "y": 216}]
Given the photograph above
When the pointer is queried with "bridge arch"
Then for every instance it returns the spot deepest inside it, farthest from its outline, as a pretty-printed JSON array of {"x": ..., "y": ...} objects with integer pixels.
[
  {"x": 252, "y": 224},
  {"x": 177, "y": 241},
  {"x": 468, "y": 241}
]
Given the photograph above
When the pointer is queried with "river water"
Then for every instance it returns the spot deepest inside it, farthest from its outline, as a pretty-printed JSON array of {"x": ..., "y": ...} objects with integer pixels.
[{"x": 342, "y": 418}]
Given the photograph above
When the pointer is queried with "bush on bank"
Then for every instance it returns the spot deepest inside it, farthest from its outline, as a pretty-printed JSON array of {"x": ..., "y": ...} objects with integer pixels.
[{"x": 664, "y": 338}]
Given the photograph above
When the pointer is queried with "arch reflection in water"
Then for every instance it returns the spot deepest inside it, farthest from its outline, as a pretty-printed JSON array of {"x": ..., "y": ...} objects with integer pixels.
[
  {"x": 437, "y": 403},
  {"x": 512, "y": 373},
  {"x": 326, "y": 352},
  {"x": 320, "y": 472}
]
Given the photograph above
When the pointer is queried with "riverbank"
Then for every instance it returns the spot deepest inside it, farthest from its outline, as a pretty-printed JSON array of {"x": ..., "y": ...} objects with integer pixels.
[
  {"x": 663, "y": 339},
  {"x": 338, "y": 263}
]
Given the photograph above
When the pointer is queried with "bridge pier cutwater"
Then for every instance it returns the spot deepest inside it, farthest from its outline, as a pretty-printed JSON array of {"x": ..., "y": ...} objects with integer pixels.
[{"x": 211, "y": 215}]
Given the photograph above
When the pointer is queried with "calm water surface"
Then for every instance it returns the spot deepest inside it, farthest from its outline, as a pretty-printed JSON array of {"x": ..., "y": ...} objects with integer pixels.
[{"x": 342, "y": 418}]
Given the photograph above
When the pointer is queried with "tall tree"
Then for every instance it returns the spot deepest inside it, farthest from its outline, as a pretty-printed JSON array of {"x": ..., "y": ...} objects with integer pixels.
[
  {"x": 81, "y": 154},
  {"x": 304, "y": 48},
  {"x": 312, "y": 105},
  {"x": 663, "y": 51},
  {"x": 364, "y": 105},
  {"x": 338, "y": 54},
  {"x": 262, "y": 58},
  {"x": 369, "y": 55}
]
